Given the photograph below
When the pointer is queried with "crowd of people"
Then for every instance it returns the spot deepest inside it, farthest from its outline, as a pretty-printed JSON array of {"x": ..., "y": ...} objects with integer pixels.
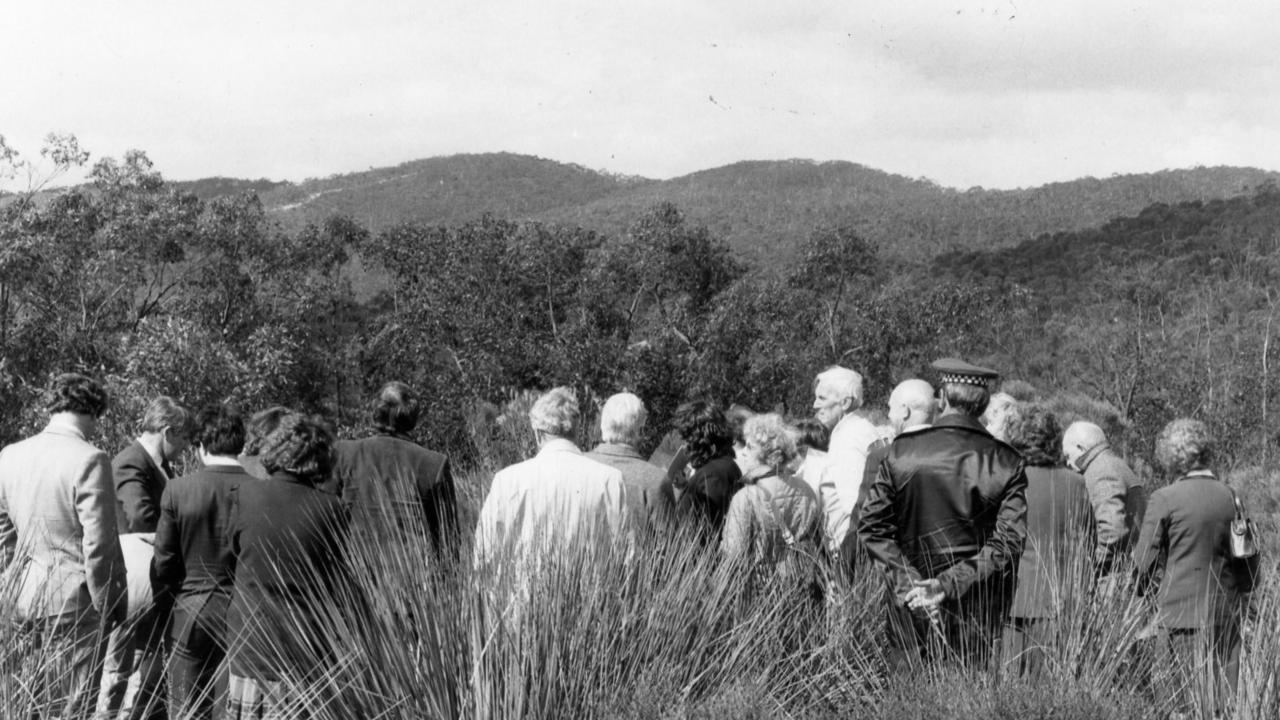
[{"x": 985, "y": 517}]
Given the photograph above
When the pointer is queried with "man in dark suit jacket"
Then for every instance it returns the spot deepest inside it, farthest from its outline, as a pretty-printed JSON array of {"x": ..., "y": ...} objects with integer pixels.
[
  {"x": 194, "y": 568},
  {"x": 912, "y": 407},
  {"x": 946, "y": 519},
  {"x": 142, "y": 469},
  {"x": 389, "y": 476},
  {"x": 1200, "y": 600},
  {"x": 141, "y": 472}
]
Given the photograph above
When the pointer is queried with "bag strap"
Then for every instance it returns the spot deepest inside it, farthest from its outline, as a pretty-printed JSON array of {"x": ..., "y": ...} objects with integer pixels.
[
  {"x": 1235, "y": 499},
  {"x": 787, "y": 536}
]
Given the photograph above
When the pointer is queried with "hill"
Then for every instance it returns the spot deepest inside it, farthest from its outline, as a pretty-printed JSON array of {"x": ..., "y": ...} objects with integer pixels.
[
  {"x": 445, "y": 191},
  {"x": 760, "y": 208}
]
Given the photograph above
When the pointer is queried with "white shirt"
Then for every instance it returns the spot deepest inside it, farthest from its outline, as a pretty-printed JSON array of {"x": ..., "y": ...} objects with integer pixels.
[
  {"x": 842, "y": 478},
  {"x": 537, "y": 506}
]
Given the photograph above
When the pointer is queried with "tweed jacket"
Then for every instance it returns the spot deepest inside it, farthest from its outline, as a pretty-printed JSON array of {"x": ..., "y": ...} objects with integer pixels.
[
  {"x": 1056, "y": 566},
  {"x": 193, "y": 565},
  {"x": 58, "y": 526},
  {"x": 948, "y": 502},
  {"x": 1119, "y": 500},
  {"x": 648, "y": 496},
  {"x": 537, "y": 506},
  {"x": 140, "y": 483},
  {"x": 392, "y": 473},
  {"x": 1186, "y": 533}
]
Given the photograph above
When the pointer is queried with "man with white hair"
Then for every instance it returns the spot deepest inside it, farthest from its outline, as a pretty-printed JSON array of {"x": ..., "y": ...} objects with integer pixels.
[
  {"x": 1118, "y": 495},
  {"x": 837, "y": 393},
  {"x": 622, "y": 421},
  {"x": 539, "y": 505}
]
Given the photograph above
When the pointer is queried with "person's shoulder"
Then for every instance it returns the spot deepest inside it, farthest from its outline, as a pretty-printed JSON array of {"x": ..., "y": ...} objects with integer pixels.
[
  {"x": 719, "y": 467},
  {"x": 133, "y": 455}
]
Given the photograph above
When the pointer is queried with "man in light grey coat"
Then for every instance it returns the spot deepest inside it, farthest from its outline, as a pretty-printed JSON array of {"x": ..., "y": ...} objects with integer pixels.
[
  {"x": 1119, "y": 498},
  {"x": 59, "y": 545}
]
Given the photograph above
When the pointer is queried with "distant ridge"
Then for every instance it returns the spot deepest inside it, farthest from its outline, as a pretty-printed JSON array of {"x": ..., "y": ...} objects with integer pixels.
[{"x": 761, "y": 208}]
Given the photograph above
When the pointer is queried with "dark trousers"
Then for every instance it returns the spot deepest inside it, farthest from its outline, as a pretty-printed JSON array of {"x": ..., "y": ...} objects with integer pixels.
[
  {"x": 1198, "y": 668},
  {"x": 198, "y": 674},
  {"x": 1022, "y": 648},
  {"x": 966, "y": 631}
]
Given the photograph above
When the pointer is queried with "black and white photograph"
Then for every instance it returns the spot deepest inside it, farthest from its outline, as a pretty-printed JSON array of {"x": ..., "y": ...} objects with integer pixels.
[{"x": 640, "y": 361}]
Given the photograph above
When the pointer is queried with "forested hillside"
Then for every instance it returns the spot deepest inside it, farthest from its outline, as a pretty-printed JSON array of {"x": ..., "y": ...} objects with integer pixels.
[
  {"x": 759, "y": 208},
  {"x": 159, "y": 289}
]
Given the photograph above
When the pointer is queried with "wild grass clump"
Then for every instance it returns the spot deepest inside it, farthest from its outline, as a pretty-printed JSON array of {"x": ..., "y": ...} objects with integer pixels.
[{"x": 664, "y": 628}]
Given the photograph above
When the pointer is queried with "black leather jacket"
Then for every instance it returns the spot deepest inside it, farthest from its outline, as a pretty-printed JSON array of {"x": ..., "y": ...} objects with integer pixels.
[{"x": 948, "y": 502}]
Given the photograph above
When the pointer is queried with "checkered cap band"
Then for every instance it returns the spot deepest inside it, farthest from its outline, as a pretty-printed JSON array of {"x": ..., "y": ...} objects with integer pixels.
[{"x": 953, "y": 379}]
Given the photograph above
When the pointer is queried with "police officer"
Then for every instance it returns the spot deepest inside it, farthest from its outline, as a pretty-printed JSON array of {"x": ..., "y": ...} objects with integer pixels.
[{"x": 946, "y": 520}]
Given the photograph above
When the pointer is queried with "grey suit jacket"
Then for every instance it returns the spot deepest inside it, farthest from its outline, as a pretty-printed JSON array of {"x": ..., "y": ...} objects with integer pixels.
[
  {"x": 1186, "y": 533},
  {"x": 58, "y": 526}
]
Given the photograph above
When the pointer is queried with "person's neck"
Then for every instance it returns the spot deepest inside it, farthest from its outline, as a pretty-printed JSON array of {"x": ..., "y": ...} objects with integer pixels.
[
  {"x": 81, "y": 423},
  {"x": 220, "y": 460},
  {"x": 153, "y": 442}
]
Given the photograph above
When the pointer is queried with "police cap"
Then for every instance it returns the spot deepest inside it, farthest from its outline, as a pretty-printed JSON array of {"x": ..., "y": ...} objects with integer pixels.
[{"x": 957, "y": 371}]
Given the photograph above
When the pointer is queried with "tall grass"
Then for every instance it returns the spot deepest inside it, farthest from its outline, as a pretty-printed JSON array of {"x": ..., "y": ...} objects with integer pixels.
[{"x": 669, "y": 630}]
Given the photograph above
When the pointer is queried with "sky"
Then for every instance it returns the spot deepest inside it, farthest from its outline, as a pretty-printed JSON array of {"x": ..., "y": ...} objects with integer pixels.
[{"x": 999, "y": 95}]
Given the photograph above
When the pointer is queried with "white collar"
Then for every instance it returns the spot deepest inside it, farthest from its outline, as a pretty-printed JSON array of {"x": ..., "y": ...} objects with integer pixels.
[{"x": 558, "y": 444}]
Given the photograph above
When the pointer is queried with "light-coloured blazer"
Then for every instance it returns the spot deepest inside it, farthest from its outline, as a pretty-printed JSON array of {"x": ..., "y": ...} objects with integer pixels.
[
  {"x": 536, "y": 506},
  {"x": 58, "y": 541},
  {"x": 851, "y": 439}
]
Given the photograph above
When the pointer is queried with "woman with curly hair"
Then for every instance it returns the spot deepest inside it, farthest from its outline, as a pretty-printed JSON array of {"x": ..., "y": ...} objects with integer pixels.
[
  {"x": 704, "y": 475},
  {"x": 287, "y": 537},
  {"x": 1056, "y": 567},
  {"x": 1201, "y": 597},
  {"x": 776, "y": 515}
]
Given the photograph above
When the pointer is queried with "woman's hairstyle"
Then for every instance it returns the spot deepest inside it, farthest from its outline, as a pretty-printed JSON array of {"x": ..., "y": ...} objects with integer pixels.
[
  {"x": 75, "y": 393},
  {"x": 968, "y": 399},
  {"x": 622, "y": 419},
  {"x": 770, "y": 439},
  {"x": 811, "y": 433},
  {"x": 220, "y": 430},
  {"x": 555, "y": 413},
  {"x": 260, "y": 426},
  {"x": 1035, "y": 432},
  {"x": 396, "y": 409},
  {"x": 301, "y": 445},
  {"x": 165, "y": 412},
  {"x": 1185, "y": 445},
  {"x": 705, "y": 432}
]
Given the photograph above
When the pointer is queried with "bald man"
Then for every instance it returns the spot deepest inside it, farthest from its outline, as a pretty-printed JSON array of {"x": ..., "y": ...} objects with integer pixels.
[
  {"x": 912, "y": 406},
  {"x": 1118, "y": 496}
]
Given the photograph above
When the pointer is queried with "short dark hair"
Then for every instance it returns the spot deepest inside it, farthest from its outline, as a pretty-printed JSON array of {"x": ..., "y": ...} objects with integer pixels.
[
  {"x": 76, "y": 393},
  {"x": 812, "y": 433},
  {"x": 1035, "y": 432},
  {"x": 705, "y": 432},
  {"x": 396, "y": 409},
  {"x": 220, "y": 430},
  {"x": 969, "y": 399},
  {"x": 165, "y": 412},
  {"x": 737, "y": 417},
  {"x": 301, "y": 445},
  {"x": 260, "y": 426}
]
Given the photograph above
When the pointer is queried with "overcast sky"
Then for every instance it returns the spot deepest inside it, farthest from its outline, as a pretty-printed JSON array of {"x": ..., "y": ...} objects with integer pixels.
[{"x": 1001, "y": 95}]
